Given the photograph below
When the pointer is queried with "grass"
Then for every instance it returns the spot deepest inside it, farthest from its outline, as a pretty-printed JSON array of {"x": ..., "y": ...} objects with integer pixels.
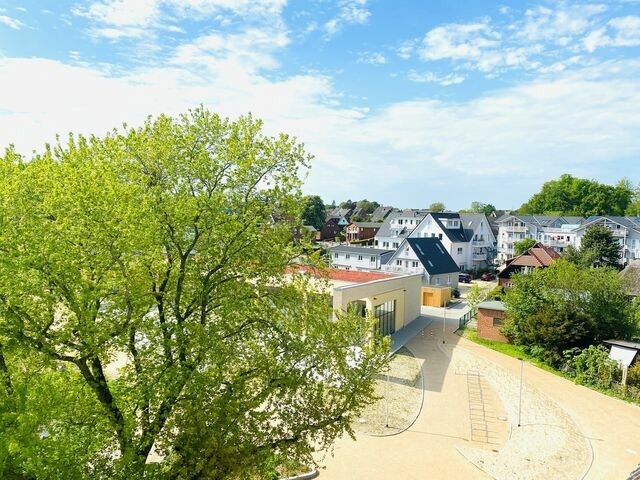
[{"x": 518, "y": 351}]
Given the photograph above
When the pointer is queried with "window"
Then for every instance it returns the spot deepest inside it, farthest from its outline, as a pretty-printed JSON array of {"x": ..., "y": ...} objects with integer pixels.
[
  {"x": 459, "y": 250},
  {"x": 414, "y": 264},
  {"x": 347, "y": 256},
  {"x": 385, "y": 244},
  {"x": 399, "y": 262},
  {"x": 497, "y": 321},
  {"x": 440, "y": 236},
  {"x": 395, "y": 244},
  {"x": 386, "y": 315},
  {"x": 400, "y": 221},
  {"x": 336, "y": 255},
  {"x": 433, "y": 235},
  {"x": 372, "y": 259},
  {"x": 359, "y": 257}
]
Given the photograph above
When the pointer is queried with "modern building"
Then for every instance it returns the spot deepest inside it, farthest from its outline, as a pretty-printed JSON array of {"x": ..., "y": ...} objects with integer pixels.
[
  {"x": 396, "y": 227},
  {"x": 426, "y": 256},
  {"x": 359, "y": 258}
]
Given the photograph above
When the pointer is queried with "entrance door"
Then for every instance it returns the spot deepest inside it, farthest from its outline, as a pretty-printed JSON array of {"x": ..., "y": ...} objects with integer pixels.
[{"x": 386, "y": 315}]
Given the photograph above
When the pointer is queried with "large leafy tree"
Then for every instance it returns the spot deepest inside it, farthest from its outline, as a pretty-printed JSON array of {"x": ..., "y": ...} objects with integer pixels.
[
  {"x": 576, "y": 196},
  {"x": 436, "y": 207},
  {"x": 566, "y": 306},
  {"x": 314, "y": 211},
  {"x": 598, "y": 248},
  {"x": 479, "y": 207},
  {"x": 523, "y": 245},
  {"x": 146, "y": 325}
]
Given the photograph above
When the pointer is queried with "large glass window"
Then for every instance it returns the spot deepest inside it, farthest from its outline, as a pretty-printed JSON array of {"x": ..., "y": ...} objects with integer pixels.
[{"x": 386, "y": 315}]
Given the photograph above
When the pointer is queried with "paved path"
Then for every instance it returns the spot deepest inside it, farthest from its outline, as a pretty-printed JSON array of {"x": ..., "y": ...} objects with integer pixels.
[{"x": 463, "y": 412}]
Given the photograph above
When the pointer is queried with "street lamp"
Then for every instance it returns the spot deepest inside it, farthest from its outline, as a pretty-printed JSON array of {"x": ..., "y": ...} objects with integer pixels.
[
  {"x": 520, "y": 400},
  {"x": 444, "y": 321}
]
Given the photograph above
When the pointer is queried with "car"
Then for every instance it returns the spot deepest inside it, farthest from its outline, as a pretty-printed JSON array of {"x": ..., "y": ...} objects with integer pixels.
[
  {"x": 488, "y": 277},
  {"x": 464, "y": 278}
]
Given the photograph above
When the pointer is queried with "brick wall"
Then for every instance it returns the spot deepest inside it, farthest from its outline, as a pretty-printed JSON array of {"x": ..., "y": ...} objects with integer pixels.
[{"x": 486, "y": 329}]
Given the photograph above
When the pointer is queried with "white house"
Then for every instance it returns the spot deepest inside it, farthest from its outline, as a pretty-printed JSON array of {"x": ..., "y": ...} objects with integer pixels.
[
  {"x": 467, "y": 237},
  {"x": 626, "y": 230},
  {"x": 358, "y": 258},
  {"x": 396, "y": 227}
]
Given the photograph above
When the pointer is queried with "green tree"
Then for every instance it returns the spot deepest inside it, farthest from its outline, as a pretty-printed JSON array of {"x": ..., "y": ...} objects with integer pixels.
[
  {"x": 523, "y": 245},
  {"x": 367, "y": 206},
  {"x": 476, "y": 295},
  {"x": 599, "y": 248},
  {"x": 436, "y": 207},
  {"x": 566, "y": 306},
  {"x": 479, "y": 207},
  {"x": 313, "y": 211},
  {"x": 575, "y": 196},
  {"x": 144, "y": 308}
]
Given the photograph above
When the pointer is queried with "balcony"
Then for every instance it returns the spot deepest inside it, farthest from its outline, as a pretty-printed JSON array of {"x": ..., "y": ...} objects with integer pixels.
[
  {"x": 479, "y": 257},
  {"x": 403, "y": 270},
  {"x": 479, "y": 243},
  {"x": 513, "y": 228}
]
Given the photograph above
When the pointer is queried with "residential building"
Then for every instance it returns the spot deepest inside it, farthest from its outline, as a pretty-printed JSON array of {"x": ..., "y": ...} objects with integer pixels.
[
  {"x": 538, "y": 256},
  {"x": 329, "y": 231},
  {"x": 626, "y": 230},
  {"x": 554, "y": 231},
  {"x": 358, "y": 258},
  {"x": 466, "y": 236},
  {"x": 426, "y": 256},
  {"x": 490, "y": 318},
  {"x": 380, "y": 213},
  {"x": 340, "y": 215},
  {"x": 359, "y": 232},
  {"x": 630, "y": 277},
  {"x": 396, "y": 227}
]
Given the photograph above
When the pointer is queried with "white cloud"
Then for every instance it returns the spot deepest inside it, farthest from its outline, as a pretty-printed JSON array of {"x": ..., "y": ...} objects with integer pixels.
[
  {"x": 619, "y": 32},
  {"x": 560, "y": 25},
  {"x": 11, "y": 22},
  {"x": 375, "y": 58},
  {"x": 351, "y": 12},
  {"x": 430, "y": 77},
  {"x": 459, "y": 41}
]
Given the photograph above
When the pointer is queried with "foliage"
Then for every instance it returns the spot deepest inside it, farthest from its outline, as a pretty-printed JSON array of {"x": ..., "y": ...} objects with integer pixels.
[
  {"x": 313, "y": 211},
  {"x": 565, "y": 306},
  {"x": 599, "y": 248},
  {"x": 348, "y": 204},
  {"x": 575, "y": 196},
  {"x": 479, "y": 207},
  {"x": 496, "y": 293},
  {"x": 475, "y": 295},
  {"x": 633, "y": 375},
  {"x": 367, "y": 206},
  {"x": 436, "y": 207},
  {"x": 143, "y": 308},
  {"x": 523, "y": 245},
  {"x": 592, "y": 366}
]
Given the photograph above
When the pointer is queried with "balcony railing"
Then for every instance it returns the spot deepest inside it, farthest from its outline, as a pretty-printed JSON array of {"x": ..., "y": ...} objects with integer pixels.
[
  {"x": 399, "y": 269},
  {"x": 479, "y": 243},
  {"x": 479, "y": 257},
  {"x": 513, "y": 228}
]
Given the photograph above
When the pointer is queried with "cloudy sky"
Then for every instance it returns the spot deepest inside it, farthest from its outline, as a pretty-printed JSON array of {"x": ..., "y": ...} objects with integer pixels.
[{"x": 404, "y": 102}]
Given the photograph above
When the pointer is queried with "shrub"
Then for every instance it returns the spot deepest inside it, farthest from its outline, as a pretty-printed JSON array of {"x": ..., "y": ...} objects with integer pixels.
[{"x": 593, "y": 367}]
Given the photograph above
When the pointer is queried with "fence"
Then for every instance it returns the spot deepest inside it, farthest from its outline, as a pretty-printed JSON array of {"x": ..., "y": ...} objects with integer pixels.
[{"x": 463, "y": 320}]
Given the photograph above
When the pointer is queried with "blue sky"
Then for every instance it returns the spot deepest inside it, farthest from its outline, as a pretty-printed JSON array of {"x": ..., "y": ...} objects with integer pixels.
[{"x": 403, "y": 102}]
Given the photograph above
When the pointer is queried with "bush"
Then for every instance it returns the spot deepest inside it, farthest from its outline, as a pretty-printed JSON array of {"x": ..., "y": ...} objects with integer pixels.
[
  {"x": 633, "y": 375},
  {"x": 593, "y": 367}
]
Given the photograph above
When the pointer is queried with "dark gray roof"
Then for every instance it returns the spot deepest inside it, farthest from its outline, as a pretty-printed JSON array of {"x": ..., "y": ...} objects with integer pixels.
[
  {"x": 433, "y": 256},
  {"x": 381, "y": 213},
  {"x": 367, "y": 224},
  {"x": 623, "y": 343},
  {"x": 470, "y": 222},
  {"x": 360, "y": 250},
  {"x": 628, "y": 222},
  {"x": 454, "y": 234},
  {"x": 493, "y": 305}
]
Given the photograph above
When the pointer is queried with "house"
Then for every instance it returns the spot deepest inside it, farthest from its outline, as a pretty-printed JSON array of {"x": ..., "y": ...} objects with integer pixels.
[
  {"x": 359, "y": 232},
  {"x": 358, "y": 258},
  {"x": 305, "y": 231},
  {"x": 630, "y": 277},
  {"x": 538, "y": 256},
  {"x": 329, "y": 231},
  {"x": 340, "y": 215},
  {"x": 466, "y": 236},
  {"x": 396, "y": 227},
  {"x": 380, "y": 213},
  {"x": 626, "y": 230},
  {"x": 490, "y": 318},
  {"x": 554, "y": 231},
  {"x": 426, "y": 256}
]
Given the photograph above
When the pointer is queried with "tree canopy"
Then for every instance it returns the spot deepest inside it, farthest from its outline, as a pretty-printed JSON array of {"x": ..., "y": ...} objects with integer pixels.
[
  {"x": 479, "y": 207},
  {"x": 523, "y": 245},
  {"x": 576, "y": 196},
  {"x": 566, "y": 306},
  {"x": 147, "y": 329},
  {"x": 436, "y": 207},
  {"x": 598, "y": 248},
  {"x": 314, "y": 211}
]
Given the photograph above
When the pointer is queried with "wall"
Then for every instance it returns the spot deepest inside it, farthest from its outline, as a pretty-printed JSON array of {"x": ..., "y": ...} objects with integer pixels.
[
  {"x": 485, "y": 325},
  {"x": 405, "y": 290}
]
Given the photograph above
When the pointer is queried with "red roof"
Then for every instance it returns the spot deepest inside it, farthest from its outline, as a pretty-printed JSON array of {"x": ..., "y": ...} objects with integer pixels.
[
  {"x": 537, "y": 256},
  {"x": 344, "y": 275}
]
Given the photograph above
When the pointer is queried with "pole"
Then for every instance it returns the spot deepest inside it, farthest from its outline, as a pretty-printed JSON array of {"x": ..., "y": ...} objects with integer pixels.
[
  {"x": 520, "y": 401},
  {"x": 444, "y": 321},
  {"x": 386, "y": 402}
]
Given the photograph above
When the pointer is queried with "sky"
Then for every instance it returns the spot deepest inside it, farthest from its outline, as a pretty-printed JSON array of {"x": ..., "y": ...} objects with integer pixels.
[{"x": 406, "y": 102}]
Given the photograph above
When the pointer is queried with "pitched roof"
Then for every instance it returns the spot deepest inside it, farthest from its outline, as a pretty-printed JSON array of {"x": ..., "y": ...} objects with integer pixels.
[
  {"x": 366, "y": 224},
  {"x": 628, "y": 222},
  {"x": 361, "y": 250},
  {"x": 630, "y": 276},
  {"x": 433, "y": 256},
  {"x": 454, "y": 234},
  {"x": 470, "y": 222},
  {"x": 381, "y": 213},
  {"x": 538, "y": 256}
]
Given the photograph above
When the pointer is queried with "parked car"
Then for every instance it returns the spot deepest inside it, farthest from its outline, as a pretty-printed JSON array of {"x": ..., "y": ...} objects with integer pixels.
[
  {"x": 487, "y": 277},
  {"x": 464, "y": 278}
]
